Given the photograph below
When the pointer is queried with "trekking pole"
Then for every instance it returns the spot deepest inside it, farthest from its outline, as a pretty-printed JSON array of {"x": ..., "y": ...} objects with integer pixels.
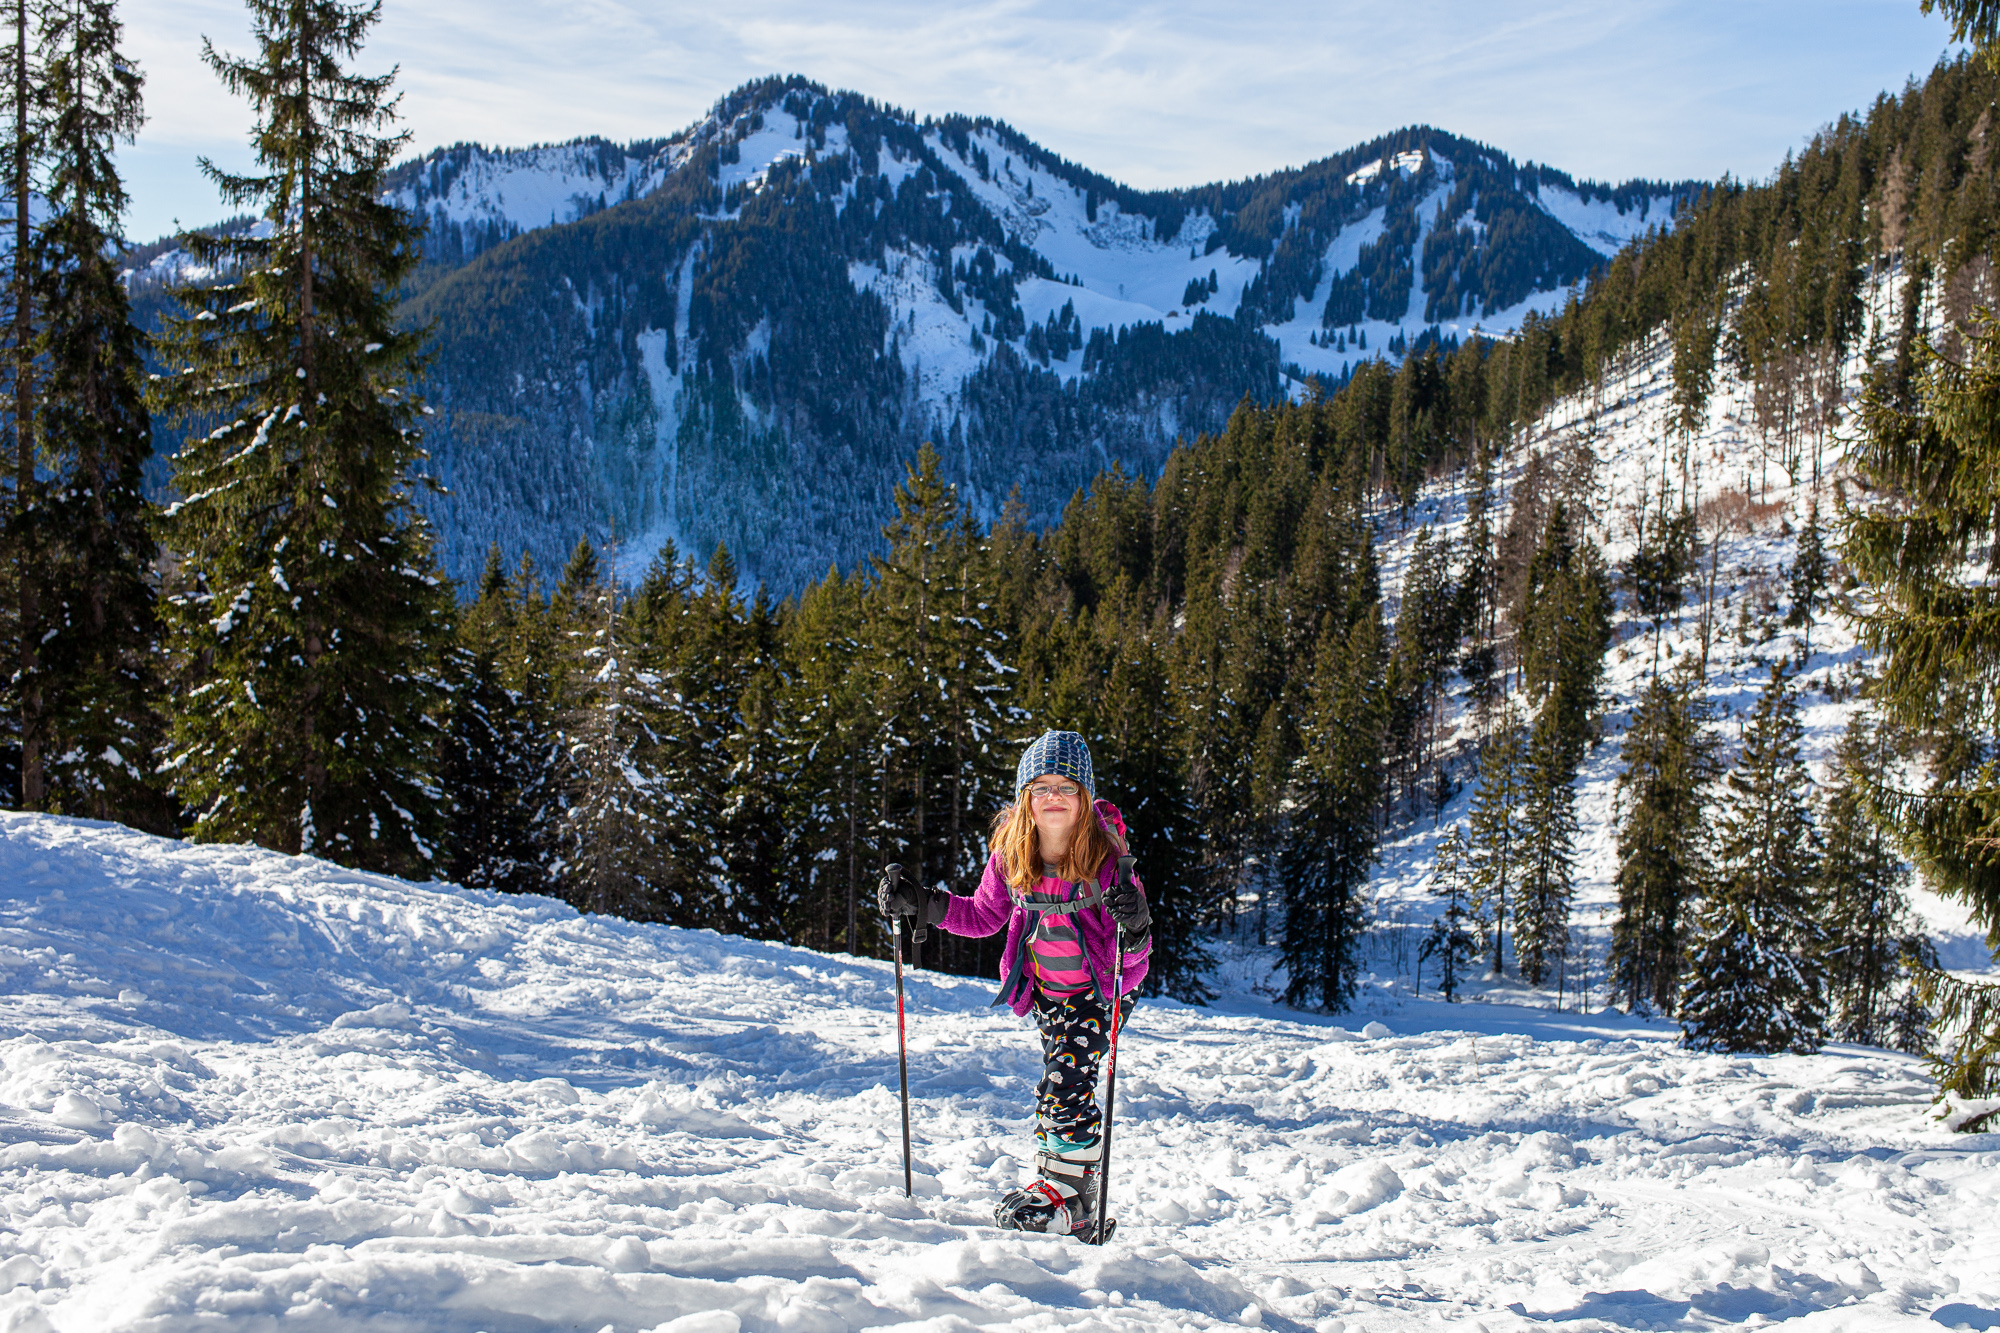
[
  {"x": 1104, "y": 1222},
  {"x": 893, "y": 872}
]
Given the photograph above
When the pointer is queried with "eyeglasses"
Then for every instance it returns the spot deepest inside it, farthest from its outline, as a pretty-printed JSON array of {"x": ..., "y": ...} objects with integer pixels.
[{"x": 1044, "y": 792}]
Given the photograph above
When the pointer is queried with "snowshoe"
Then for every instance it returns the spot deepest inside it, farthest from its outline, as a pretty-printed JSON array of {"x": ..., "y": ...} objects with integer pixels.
[{"x": 1063, "y": 1201}]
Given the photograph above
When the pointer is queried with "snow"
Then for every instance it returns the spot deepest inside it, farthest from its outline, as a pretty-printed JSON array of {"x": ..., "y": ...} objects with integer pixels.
[
  {"x": 248, "y": 1089},
  {"x": 1599, "y": 223},
  {"x": 528, "y": 188},
  {"x": 1629, "y": 433}
]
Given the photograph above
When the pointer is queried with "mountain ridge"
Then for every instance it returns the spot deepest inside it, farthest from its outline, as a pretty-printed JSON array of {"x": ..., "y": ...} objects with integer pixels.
[{"x": 739, "y": 333}]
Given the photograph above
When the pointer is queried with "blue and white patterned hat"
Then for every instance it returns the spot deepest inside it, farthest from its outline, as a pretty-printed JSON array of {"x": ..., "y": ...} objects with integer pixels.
[{"x": 1060, "y": 752}]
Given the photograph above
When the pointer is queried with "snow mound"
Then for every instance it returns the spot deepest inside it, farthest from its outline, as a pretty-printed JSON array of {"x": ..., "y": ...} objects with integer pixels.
[{"x": 257, "y": 1091}]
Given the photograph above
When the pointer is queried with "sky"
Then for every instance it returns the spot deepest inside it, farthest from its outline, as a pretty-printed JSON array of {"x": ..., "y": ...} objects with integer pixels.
[{"x": 1174, "y": 92}]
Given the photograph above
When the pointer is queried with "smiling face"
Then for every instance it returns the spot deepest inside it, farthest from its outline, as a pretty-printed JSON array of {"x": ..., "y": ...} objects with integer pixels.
[{"x": 1057, "y": 804}]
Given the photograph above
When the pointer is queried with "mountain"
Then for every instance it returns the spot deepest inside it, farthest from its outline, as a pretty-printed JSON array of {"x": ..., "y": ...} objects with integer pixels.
[{"x": 740, "y": 334}]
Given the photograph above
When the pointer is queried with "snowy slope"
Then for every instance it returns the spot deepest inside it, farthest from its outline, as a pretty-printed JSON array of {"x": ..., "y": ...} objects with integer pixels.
[
  {"x": 1630, "y": 435},
  {"x": 249, "y": 1091},
  {"x": 522, "y": 189}
]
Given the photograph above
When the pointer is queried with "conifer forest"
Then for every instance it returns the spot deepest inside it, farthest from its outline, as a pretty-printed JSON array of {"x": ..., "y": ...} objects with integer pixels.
[{"x": 225, "y": 613}]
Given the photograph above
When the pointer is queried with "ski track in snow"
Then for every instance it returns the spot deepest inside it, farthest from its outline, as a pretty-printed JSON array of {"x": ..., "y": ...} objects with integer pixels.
[{"x": 251, "y": 1091}]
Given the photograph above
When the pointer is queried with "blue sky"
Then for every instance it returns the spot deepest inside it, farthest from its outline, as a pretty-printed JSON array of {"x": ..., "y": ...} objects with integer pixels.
[{"x": 1177, "y": 92}]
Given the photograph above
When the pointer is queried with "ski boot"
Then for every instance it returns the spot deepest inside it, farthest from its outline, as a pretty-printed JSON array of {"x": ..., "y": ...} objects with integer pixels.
[{"x": 1062, "y": 1201}]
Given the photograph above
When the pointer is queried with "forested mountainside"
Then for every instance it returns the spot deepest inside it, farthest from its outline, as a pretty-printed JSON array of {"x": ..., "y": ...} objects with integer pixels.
[
  {"x": 738, "y": 335},
  {"x": 1299, "y": 642}
]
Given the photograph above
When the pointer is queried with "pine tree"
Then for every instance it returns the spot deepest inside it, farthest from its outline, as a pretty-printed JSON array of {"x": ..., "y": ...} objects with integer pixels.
[
  {"x": 97, "y": 652},
  {"x": 1494, "y": 848},
  {"x": 1566, "y": 629},
  {"x": 1861, "y": 879},
  {"x": 306, "y": 623},
  {"x": 1931, "y": 444},
  {"x": 1547, "y": 850},
  {"x": 943, "y": 734},
  {"x": 614, "y": 821},
  {"x": 1450, "y": 944},
  {"x": 687, "y": 647},
  {"x": 1331, "y": 843},
  {"x": 1660, "y": 565},
  {"x": 491, "y": 754},
  {"x": 1669, "y": 756},
  {"x": 1755, "y": 975},
  {"x": 24, "y": 99},
  {"x": 831, "y": 795},
  {"x": 1809, "y": 576}
]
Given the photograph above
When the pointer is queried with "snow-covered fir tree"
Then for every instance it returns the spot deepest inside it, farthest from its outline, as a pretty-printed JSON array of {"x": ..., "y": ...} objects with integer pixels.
[
  {"x": 1494, "y": 846},
  {"x": 305, "y": 621},
  {"x": 493, "y": 752},
  {"x": 1547, "y": 849},
  {"x": 1450, "y": 946},
  {"x": 1669, "y": 756},
  {"x": 1869, "y": 930},
  {"x": 1756, "y": 976},
  {"x": 615, "y": 820},
  {"x": 96, "y": 677},
  {"x": 1331, "y": 840}
]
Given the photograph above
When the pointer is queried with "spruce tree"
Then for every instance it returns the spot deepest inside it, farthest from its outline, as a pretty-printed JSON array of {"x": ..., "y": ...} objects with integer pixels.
[
  {"x": 97, "y": 652},
  {"x": 686, "y": 650},
  {"x": 1755, "y": 976},
  {"x": 1449, "y": 944},
  {"x": 1861, "y": 880},
  {"x": 1930, "y": 443},
  {"x": 831, "y": 795},
  {"x": 1810, "y": 569},
  {"x": 24, "y": 99},
  {"x": 1494, "y": 848},
  {"x": 305, "y": 622},
  {"x": 1669, "y": 755},
  {"x": 1566, "y": 629},
  {"x": 1547, "y": 850},
  {"x": 1331, "y": 843},
  {"x": 614, "y": 821},
  {"x": 1660, "y": 565},
  {"x": 491, "y": 754},
  {"x": 943, "y": 734}
]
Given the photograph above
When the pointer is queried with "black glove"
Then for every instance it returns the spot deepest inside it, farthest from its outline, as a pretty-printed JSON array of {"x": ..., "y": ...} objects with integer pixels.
[
  {"x": 1126, "y": 902},
  {"x": 899, "y": 897}
]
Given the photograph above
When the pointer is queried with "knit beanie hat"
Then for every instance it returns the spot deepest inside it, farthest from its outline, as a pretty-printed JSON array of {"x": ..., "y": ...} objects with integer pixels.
[{"x": 1060, "y": 752}]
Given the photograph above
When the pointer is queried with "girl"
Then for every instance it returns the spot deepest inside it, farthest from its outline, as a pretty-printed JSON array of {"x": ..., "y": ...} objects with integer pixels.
[{"x": 1053, "y": 845}]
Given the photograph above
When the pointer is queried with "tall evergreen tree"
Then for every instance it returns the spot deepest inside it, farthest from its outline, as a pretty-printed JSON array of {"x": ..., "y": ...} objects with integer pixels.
[
  {"x": 1931, "y": 442},
  {"x": 306, "y": 622},
  {"x": 24, "y": 100},
  {"x": 1810, "y": 569},
  {"x": 1548, "y": 850},
  {"x": 1670, "y": 760},
  {"x": 1755, "y": 975},
  {"x": 943, "y": 730},
  {"x": 492, "y": 754},
  {"x": 832, "y": 790},
  {"x": 1325, "y": 859},
  {"x": 1868, "y": 924},
  {"x": 1566, "y": 629},
  {"x": 1661, "y": 563},
  {"x": 1450, "y": 944},
  {"x": 615, "y": 819},
  {"x": 1494, "y": 848},
  {"x": 97, "y": 653}
]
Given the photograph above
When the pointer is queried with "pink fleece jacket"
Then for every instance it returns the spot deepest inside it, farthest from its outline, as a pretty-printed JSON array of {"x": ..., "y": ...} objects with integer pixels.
[{"x": 994, "y": 905}]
